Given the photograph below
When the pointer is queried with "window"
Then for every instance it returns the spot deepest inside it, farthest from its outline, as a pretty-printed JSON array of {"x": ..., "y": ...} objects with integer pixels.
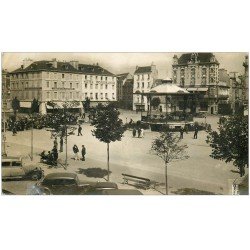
[
  {"x": 62, "y": 75},
  {"x": 47, "y": 84},
  {"x": 86, "y": 85},
  {"x": 101, "y": 86},
  {"x": 70, "y": 85},
  {"x": 96, "y": 96},
  {"x": 22, "y": 85},
  {"x": 113, "y": 86},
  {"x": 27, "y": 85},
  {"x": 55, "y": 85},
  {"x": 142, "y": 84},
  {"x": 86, "y": 95},
  {"x": 55, "y": 95},
  {"x": 86, "y": 77},
  {"x": 70, "y": 95},
  {"x": 101, "y": 95},
  {"x": 96, "y": 86},
  {"x": 77, "y": 95},
  {"x": 113, "y": 95},
  {"x": 106, "y": 78},
  {"x": 148, "y": 76},
  {"x": 138, "y": 85},
  {"x": 106, "y": 86},
  {"x": 63, "y": 95},
  {"x": 77, "y": 85},
  {"x": 91, "y": 86},
  {"x": 91, "y": 95},
  {"x": 148, "y": 84},
  {"x": 106, "y": 95},
  {"x": 142, "y": 77},
  {"x": 63, "y": 85},
  {"x": 47, "y": 95},
  {"x": 138, "y": 77}
]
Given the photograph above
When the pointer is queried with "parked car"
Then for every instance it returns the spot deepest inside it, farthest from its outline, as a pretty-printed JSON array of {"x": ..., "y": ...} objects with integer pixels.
[
  {"x": 116, "y": 192},
  {"x": 69, "y": 184},
  {"x": 12, "y": 168}
]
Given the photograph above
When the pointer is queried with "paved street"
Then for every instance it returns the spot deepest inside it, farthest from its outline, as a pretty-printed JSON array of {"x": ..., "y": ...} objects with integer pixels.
[{"x": 130, "y": 156}]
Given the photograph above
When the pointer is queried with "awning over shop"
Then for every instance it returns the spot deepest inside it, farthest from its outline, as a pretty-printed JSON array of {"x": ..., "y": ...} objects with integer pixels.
[
  {"x": 25, "y": 104},
  {"x": 60, "y": 105}
]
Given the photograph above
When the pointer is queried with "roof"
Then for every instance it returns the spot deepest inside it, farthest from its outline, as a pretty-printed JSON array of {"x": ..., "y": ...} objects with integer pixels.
[
  {"x": 60, "y": 175},
  {"x": 64, "y": 67},
  {"x": 168, "y": 89},
  {"x": 146, "y": 69},
  {"x": 201, "y": 57}
]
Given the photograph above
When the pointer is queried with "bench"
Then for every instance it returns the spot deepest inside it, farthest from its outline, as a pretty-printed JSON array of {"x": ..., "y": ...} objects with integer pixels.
[{"x": 138, "y": 181}]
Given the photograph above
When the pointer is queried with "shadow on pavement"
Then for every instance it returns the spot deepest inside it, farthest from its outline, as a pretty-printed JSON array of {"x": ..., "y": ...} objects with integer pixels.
[
  {"x": 191, "y": 191},
  {"x": 94, "y": 172}
]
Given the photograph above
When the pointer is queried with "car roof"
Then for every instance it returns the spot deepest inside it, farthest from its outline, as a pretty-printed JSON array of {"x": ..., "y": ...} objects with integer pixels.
[
  {"x": 60, "y": 175},
  {"x": 11, "y": 158}
]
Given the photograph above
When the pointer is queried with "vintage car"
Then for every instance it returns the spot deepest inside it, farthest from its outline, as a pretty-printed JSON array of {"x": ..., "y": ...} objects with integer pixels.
[
  {"x": 12, "y": 168},
  {"x": 69, "y": 184}
]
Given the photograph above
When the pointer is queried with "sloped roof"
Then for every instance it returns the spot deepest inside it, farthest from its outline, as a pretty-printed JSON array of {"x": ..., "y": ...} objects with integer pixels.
[
  {"x": 201, "y": 57},
  {"x": 168, "y": 89},
  {"x": 122, "y": 76},
  {"x": 64, "y": 67},
  {"x": 146, "y": 69}
]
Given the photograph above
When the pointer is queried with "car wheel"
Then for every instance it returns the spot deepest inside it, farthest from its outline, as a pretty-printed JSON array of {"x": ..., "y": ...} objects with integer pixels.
[{"x": 35, "y": 177}]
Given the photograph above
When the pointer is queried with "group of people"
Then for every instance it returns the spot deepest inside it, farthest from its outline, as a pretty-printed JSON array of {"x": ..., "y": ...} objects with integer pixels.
[
  {"x": 139, "y": 131},
  {"x": 76, "y": 152},
  {"x": 196, "y": 130}
]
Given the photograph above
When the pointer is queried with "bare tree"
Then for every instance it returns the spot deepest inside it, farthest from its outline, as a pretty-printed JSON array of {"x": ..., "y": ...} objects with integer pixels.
[{"x": 167, "y": 146}]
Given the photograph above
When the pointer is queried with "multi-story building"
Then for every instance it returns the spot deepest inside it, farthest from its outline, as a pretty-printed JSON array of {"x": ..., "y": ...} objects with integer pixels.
[
  {"x": 127, "y": 90},
  {"x": 246, "y": 82},
  {"x": 144, "y": 80},
  {"x": 121, "y": 80},
  {"x": 199, "y": 74},
  {"x": 54, "y": 81},
  {"x": 6, "y": 100}
]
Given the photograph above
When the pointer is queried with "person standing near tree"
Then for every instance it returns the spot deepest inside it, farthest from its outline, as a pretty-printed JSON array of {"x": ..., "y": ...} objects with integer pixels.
[
  {"x": 139, "y": 132},
  {"x": 55, "y": 143},
  {"x": 83, "y": 152},
  {"x": 79, "y": 130},
  {"x": 134, "y": 132},
  {"x": 196, "y": 132},
  {"x": 76, "y": 150},
  {"x": 181, "y": 133},
  {"x": 61, "y": 144}
]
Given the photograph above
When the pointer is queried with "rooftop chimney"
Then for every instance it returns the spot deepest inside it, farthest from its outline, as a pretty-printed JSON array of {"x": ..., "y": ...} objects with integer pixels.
[
  {"x": 54, "y": 62},
  {"x": 74, "y": 64},
  {"x": 27, "y": 62}
]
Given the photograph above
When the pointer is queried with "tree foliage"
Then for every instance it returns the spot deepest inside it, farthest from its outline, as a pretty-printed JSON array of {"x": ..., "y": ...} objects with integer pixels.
[
  {"x": 155, "y": 102},
  {"x": 15, "y": 105},
  {"x": 167, "y": 146},
  {"x": 86, "y": 105},
  {"x": 230, "y": 143},
  {"x": 108, "y": 125}
]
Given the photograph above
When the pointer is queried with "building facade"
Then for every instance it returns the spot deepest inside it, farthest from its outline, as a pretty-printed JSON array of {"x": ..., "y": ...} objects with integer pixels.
[
  {"x": 144, "y": 80},
  {"x": 6, "y": 98},
  {"x": 246, "y": 82},
  {"x": 127, "y": 90},
  {"x": 121, "y": 81},
  {"x": 54, "y": 81},
  {"x": 199, "y": 74}
]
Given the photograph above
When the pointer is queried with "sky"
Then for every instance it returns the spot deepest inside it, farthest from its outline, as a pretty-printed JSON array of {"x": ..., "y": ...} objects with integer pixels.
[{"x": 122, "y": 62}]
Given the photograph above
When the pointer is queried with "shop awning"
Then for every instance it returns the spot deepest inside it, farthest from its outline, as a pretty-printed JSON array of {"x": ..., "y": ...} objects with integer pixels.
[
  {"x": 25, "y": 104},
  {"x": 60, "y": 105},
  {"x": 197, "y": 89}
]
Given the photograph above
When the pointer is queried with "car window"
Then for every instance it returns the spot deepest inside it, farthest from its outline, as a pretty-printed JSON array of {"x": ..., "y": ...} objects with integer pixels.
[
  {"x": 5, "y": 164},
  {"x": 69, "y": 182},
  {"x": 16, "y": 164}
]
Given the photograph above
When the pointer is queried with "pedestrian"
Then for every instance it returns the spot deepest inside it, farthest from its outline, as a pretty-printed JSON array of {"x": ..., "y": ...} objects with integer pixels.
[
  {"x": 14, "y": 130},
  {"x": 61, "y": 144},
  {"x": 196, "y": 132},
  {"x": 142, "y": 133},
  {"x": 134, "y": 132},
  {"x": 55, "y": 143},
  {"x": 139, "y": 132},
  {"x": 55, "y": 155},
  {"x": 79, "y": 130},
  {"x": 76, "y": 150},
  {"x": 83, "y": 152},
  {"x": 181, "y": 133}
]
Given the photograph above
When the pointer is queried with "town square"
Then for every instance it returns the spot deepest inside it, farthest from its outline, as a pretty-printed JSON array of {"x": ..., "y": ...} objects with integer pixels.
[{"x": 64, "y": 117}]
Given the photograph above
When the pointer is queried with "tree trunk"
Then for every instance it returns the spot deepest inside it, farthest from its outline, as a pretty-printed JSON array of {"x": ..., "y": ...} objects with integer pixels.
[
  {"x": 108, "y": 159},
  {"x": 32, "y": 125},
  {"x": 166, "y": 177},
  {"x": 242, "y": 170}
]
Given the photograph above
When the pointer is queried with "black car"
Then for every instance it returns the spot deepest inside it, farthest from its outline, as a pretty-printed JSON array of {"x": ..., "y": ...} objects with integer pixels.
[{"x": 69, "y": 184}]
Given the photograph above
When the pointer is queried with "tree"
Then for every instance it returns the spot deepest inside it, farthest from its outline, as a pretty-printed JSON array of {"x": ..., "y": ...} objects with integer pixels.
[
  {"x": 230, "y": 143},
  {"x": 108, "y": 126},
  {"x": 86, "y": 105},
  {"x": 167, "y": 146},
  {"x": 15, "y": 106},
  {"x": 155, "y": 102}
]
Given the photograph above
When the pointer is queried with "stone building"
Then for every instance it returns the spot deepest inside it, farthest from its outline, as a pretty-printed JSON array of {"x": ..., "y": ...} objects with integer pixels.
[
  {"x": 6, "y": 99},
  {"x": 144, "y": 79},
  {"x": 54, "y": 81},
  {"x": 246, "y": 82},
  {"x": 199, "y": 74},
  {"x": 122, "y": 80}
]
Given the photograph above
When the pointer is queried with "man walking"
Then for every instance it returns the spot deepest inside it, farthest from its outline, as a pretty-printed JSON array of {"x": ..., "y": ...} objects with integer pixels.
[
  {"x": 196, "y": 132},
  {"x": 181, "y": 133},
  {"x": 83, "y": 152},
  {"x": 61, "y": 144},
  {"x": 55, "y": 143},
  {"x": 79, "y": 130},
  {"x": 139, "y": 132},
  {"x": 134, "y": 132},
  {"x": 76, "y": 150}
]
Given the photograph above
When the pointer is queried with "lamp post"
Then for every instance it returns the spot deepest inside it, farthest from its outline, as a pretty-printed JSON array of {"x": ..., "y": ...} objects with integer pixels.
[{"x": 32, "y": 126}]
